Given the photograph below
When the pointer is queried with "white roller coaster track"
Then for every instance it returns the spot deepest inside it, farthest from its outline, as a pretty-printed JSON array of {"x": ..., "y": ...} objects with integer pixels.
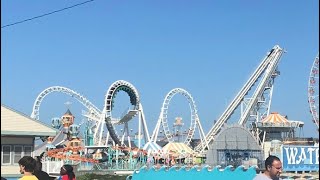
[
  {"x": 164, "y": 114},
  {"x": 127, "y": 87},
  {"x": 268, "y": 68},
  {"x": 114, "y": 88},
  {"x": 83, "y": 100},
  {"x": 94, "y": 112}
]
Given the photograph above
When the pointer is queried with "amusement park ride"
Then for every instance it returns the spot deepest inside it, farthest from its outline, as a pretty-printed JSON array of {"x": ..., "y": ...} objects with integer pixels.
[
  {"x": 254, "y": 98},
  {"x": 313, "y": 91},
  {"x": 258, "y": 104}
]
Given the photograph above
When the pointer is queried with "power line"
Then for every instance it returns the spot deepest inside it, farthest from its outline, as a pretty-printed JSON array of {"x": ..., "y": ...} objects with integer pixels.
[{"x": 36, "y": 17}]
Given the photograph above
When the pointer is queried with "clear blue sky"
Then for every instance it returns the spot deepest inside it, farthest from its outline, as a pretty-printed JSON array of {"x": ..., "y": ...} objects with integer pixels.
[{"x": 209, "y": 48}]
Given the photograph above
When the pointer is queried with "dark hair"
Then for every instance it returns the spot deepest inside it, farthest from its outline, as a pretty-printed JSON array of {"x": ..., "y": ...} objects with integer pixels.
[
  {"x": 28, "y": 162},
  {"x": 38, "y": 163},
  {"x": 270, "y": 160},
  {"x": 69, "y": 170}
]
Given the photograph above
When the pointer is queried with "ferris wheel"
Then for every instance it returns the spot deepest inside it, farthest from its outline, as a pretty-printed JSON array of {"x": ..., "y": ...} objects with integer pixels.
[{"x": 313, "y": 91}]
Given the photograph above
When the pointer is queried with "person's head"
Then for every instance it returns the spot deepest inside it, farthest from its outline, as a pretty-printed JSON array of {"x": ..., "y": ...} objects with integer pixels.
[
  {"x": 67, "y": 169},
  {"x": 27, "y": 164},
  {"x": 273, "y": 167}
]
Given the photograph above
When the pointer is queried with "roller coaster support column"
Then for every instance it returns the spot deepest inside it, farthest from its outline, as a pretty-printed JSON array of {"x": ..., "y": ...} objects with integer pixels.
[
  {"x": 145, "y": 128},
  {"x": 154, "y": 136},
  {"x": 202, "y": 135},
  {"x": 100, "y": 126},
  {"x": 107, "y": 139}
]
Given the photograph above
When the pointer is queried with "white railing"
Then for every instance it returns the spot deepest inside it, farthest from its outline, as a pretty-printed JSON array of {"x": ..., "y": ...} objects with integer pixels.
[{"x": 52, "y": 167}]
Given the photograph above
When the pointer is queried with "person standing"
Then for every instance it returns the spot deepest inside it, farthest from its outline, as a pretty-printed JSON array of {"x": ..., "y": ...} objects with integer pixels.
[
  {"x": 27, "y": 166},
  {"x": 38, "y": 170},
  {"x": 67, "y": 173},
  {"x": 273, "y": 169}
]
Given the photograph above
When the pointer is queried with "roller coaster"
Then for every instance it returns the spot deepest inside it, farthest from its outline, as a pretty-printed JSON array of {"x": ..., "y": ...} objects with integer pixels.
[
  {"x": 255, "y": 104},
  {"x": 258, "y": 104}
]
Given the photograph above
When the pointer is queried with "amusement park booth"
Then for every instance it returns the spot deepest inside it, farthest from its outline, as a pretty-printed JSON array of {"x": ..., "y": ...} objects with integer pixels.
[
  {"x": 179, "y": 151},
  {"x": 276, "y": 130},
  {"x": 18, "y": 132},
  {"x": 234, "y": 145}
]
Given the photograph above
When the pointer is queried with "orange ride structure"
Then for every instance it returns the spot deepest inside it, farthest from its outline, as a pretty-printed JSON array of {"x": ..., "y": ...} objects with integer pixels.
[{"x": 70, "y": 149}]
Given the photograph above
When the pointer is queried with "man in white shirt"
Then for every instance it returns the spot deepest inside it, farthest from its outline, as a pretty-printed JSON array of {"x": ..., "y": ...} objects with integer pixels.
[{"x": 273, "y": 170}]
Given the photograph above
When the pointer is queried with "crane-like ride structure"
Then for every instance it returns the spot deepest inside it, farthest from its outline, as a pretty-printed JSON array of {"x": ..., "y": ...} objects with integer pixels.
[{"x": 256, "y": 106}]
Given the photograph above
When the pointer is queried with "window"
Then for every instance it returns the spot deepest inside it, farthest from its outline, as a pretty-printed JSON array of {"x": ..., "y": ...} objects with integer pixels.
[
  {"x": 11, "y": 154},
  {"x": 17, "y": 154},
  {"x": 6, "y": 156},
  {"x": 27, "y": 150}
]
